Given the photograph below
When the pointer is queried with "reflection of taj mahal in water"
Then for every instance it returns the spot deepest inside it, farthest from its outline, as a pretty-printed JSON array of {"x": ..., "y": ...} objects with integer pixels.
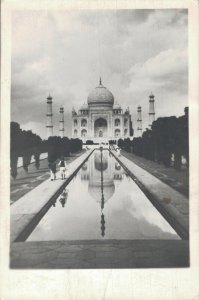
[
  {"x": 103, "y": 173},
  {"x": 100, "y": 119}
]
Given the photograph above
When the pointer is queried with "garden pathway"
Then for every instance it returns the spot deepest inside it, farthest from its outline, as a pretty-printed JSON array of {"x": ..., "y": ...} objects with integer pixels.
[
  {"x": 26, "y": 181},
  {"x": 178, "y": 180}
]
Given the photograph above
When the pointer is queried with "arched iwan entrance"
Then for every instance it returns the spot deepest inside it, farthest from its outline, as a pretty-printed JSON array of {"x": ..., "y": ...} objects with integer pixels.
[
  {"x": 83, "y": 133},
  {"x": 100, "y": 128}
]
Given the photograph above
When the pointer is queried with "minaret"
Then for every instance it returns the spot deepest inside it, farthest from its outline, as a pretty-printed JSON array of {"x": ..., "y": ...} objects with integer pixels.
[
  {"x": 139, "y": 121},
  {"x": 61, "y": 122},
  {"x": 151, "y": 110},
  {"x": 49, "y": 115}
]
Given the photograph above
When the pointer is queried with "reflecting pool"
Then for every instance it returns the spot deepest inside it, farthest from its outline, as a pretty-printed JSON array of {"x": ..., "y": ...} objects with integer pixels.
[{"x": 102, "y": 202}]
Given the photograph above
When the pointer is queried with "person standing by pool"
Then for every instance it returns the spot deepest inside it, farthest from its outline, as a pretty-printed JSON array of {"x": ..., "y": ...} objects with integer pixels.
[
  {"x": 52, "y": 167},
  {"x": 63, "y": 167},
  {"x": 118, "y": 151}
]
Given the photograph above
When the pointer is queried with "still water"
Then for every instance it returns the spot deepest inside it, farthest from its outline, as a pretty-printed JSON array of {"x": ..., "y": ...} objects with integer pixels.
[{"x": 102, "y": 202}]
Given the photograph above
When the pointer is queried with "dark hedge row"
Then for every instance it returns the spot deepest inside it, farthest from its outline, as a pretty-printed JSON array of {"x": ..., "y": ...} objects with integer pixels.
[
  {"x": 26, "y": 144},
  {"x": 168, "y": 136}
]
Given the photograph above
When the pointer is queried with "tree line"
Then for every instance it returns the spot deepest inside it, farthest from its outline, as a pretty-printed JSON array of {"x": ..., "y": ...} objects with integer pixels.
[
  {"x": 25, "y": 144},
  {"x": 167, "y": 138}
]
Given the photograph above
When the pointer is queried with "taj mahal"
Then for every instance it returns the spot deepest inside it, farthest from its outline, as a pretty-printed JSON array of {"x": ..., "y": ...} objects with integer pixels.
[{"x": 101, "y": 119}]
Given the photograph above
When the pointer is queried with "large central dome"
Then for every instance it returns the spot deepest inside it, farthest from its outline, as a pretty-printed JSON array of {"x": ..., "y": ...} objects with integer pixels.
[{"x": 100, "y": 96}]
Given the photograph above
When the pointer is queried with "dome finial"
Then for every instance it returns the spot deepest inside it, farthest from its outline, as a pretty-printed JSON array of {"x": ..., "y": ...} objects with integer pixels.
[{"x": 100, "y": 81}]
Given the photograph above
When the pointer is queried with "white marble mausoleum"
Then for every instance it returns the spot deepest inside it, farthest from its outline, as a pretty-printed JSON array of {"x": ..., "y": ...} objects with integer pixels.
[{"x": 101, "y": 119}]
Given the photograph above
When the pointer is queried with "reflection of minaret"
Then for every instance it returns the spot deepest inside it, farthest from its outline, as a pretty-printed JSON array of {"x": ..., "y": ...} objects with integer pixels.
[
  {"x": 96, "y": 164},
  {"x": 61, "y": 122},
  {"x": 139, "y": 120},
  {"x": 102, "y": 225},
  {"x": 102, "y": 200},
  {"x": 151, "y": 110},
  {"x": 49, "y": 114}
]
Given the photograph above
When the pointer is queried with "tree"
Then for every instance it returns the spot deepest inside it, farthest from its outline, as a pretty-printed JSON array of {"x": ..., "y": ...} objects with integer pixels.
[
  {"x": 15, "y": 138},
  {"x": 23, "y": 144},
  {"x": 15, "y": 147},
  {"x": 30, "y": 146},
  {"x": 148, "y": 145},
  {"x": 137, "y": 145},
  {"x": 120, "y": 143},
  {"x": 127, "y": 144},
  {"x": 66, "y": 147},
  {"x": 13, "y": 164},
  {"x": 76, "y": 145},
  {"x": 54, "y": 148},
  {"x": 164, "y": 134},
  {"x": 182, "y": 133}
]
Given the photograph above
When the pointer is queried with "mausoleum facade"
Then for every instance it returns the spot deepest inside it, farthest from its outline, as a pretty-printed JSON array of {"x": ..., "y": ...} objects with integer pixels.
[{"x": 101, "y": 119}]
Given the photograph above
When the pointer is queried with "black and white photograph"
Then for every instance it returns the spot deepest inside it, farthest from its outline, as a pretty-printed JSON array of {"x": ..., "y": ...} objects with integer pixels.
[{"x": 99, "y": 141}]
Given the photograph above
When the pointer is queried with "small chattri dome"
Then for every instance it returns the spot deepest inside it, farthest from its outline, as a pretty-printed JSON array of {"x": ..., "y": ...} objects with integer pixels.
[
  {"x": 100, "y": 96},
  {"x": 49, "y": 97},
  {"x": 151, "y": 95},
  {"x": 84, "y": 106},
  {"x": 116, "y": 106}
]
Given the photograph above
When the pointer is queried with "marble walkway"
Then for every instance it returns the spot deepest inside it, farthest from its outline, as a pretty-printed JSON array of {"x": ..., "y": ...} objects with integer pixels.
[
  {"x": 100, "y": 254},
  {"x": 26, "y": 181}
]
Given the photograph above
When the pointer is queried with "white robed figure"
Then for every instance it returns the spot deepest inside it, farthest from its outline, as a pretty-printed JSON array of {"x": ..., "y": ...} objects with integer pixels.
[
  {"x": 63, "y": 168},
  {"x": 118, "y": 151}
]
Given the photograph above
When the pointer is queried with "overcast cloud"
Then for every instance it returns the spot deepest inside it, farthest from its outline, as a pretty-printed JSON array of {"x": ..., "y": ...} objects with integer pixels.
[{"x": 64, "y": 54}]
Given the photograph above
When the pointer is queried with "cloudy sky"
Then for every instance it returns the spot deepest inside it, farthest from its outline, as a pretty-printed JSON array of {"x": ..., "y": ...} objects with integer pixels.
[{"x": 65, "y": 52}]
